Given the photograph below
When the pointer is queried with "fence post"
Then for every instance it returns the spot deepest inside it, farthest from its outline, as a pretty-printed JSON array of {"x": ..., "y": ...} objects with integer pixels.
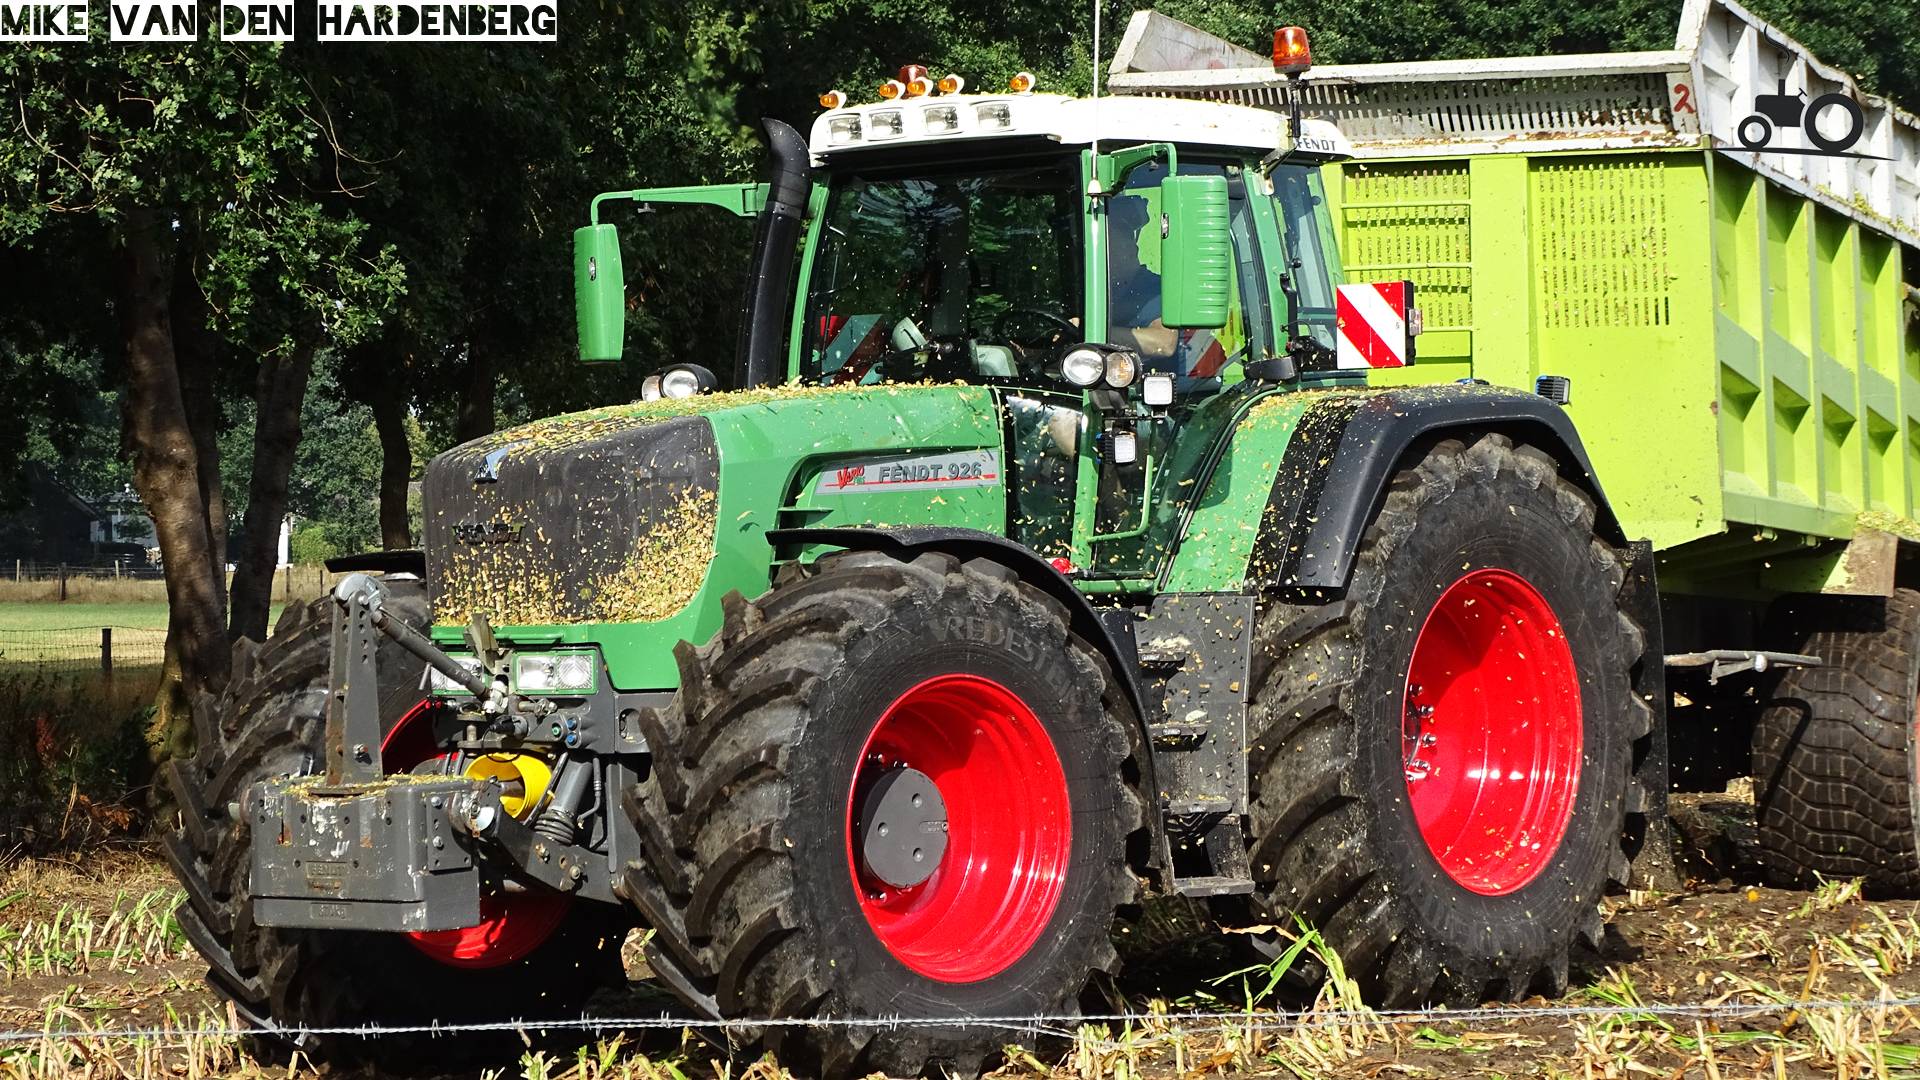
[
  {"x": 63, "y": 581},
  {"x": 106, "y": 651}
]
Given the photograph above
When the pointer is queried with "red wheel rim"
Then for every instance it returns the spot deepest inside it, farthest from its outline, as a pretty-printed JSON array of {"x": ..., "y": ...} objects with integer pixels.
[
  {"x": 511, "y": 924},
  {"x": 1491, "y": 732},
  {"x": 1009, "y": 836}
]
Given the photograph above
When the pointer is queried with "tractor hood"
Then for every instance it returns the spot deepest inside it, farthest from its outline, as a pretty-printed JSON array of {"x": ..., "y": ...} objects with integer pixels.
[
  {"x": 603, "y": 519},
  {"x": 625, "y": 527}
]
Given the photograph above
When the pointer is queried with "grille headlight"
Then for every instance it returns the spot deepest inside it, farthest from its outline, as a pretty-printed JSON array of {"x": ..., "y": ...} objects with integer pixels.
[
  {"x": 993, "y": 115},
  {"x": 562, "y": 672},
  {"x": 887, "y": 124},
  {"x": 442, "y": 686},
  {"x": 941, "y": 119},
  {"x": 842, "y": 130}
]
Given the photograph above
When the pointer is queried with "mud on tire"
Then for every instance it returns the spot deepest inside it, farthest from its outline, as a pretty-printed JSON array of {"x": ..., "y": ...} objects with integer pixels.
[
  {"x": 1335, "y": 835},
  {"x": 1834, "y": 746},
  {"x": 269, "y": 722},
  {"x": 748, "y": 878}
]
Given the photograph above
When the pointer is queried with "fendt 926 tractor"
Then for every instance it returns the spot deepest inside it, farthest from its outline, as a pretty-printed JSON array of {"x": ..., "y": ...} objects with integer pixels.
[{"x": 1055, "y": 545}]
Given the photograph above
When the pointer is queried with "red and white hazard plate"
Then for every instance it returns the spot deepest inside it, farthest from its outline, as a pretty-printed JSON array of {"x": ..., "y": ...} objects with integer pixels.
[{"x": 1372, "y": 319}]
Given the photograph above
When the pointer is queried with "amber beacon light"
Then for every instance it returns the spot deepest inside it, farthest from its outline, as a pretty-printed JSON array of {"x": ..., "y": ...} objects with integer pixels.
[{"x": 1291, "y": 54}]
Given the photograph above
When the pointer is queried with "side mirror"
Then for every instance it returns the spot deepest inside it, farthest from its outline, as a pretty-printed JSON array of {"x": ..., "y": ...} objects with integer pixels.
[
  {"x": 599, "y": 292},
  {"x": 1376, "y": 323},
  {"x": 1196, "y": 252}
]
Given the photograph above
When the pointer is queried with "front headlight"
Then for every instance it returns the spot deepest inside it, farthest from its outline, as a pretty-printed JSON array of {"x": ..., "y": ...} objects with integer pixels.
[
  {"x": 842, "y": 130},
  {"x": 941, "y": 119},
  {"x": 679, "y": 383},
  {"x": 1083, "y": 366},
  {"x": 442, "y": 686},
  {"x": 560, "y": 672},
  {"x": 887, "y": 124},
  {"x": 993, "y": 116}
]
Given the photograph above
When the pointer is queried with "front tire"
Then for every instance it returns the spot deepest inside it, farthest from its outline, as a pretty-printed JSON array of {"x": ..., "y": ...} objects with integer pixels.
[
  {"x": 861, "y": 675},
  {"x": 1442, "y": 756}
]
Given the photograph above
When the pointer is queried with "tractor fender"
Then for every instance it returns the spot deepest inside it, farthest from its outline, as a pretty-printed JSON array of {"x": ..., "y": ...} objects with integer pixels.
[
  {"x": 1109, "y": 629},
  {"x": 1346, "y": 449}
]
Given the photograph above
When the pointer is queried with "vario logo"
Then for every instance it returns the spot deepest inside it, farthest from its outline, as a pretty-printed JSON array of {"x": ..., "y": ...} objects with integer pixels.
[{"x": 1783, "y": 110}]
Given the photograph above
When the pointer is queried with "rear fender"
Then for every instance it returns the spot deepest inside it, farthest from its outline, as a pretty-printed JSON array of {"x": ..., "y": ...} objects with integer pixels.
[{"x": 1346, "y": 449}]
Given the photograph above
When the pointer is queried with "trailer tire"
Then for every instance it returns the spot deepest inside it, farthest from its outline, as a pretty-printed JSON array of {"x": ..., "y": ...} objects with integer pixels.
[
  {"x": 1477, "y": 885},
  {"x": 1834, "y": 746},
  {"x": 784, "y": 727},
  {"x": 270, "y": 721}
]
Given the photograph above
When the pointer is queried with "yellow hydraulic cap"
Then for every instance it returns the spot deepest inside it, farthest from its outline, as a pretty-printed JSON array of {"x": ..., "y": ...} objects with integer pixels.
[{"x": 523, "y": 779}]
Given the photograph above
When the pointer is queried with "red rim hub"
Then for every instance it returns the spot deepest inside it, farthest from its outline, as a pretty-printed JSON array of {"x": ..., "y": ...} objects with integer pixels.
[
  {"x": 1009, "y": 828},
  {"x": 1491, "y": 732},
  {"x": 511, "y": 924}
]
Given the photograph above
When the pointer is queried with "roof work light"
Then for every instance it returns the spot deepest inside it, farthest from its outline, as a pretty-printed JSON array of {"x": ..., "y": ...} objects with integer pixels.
[{"x": 1291, "y": 54}]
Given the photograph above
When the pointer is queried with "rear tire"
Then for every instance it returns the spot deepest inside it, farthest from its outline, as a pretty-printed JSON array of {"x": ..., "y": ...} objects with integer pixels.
[
  {"x": 1401, "y": 879},
  {"x": 761, "y": 907},
  {"x": 1833, "y": 748},
  {"x": 270, "y": 722}
]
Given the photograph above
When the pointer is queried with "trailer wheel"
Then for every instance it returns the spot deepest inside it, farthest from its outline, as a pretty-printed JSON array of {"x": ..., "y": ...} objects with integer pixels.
[
  {"x": 528, "y": 962},
  {"x": 1834, "y": 746},
  {"x": 1442, "y": 757},
  {"x": 886, "y": 788}
]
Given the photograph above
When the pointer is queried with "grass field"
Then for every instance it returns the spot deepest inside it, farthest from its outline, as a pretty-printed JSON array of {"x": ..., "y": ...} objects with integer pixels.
[{"x": 142, "y": 615}]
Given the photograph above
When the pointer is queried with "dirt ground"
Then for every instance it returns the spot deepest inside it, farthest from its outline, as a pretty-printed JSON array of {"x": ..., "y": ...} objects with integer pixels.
[{"x": 87, "y": 945}]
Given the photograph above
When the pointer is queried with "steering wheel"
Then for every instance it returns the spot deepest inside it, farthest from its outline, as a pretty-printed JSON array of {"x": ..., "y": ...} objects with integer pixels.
[{"x": 1059, "y": 329}]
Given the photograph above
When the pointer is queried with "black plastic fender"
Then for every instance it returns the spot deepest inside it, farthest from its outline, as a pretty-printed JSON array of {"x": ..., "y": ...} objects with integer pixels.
[{"x": 1346, "y": 449}]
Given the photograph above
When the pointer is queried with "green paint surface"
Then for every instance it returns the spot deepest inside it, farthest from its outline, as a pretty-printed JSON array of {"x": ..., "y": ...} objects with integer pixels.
[
  {"x": 1738, "y": 353},
  {"x": 774, "y": 445}
]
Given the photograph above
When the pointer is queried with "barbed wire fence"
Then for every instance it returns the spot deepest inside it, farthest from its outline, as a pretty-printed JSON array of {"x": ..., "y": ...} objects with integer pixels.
[{"x": 1056, "y": 1025}]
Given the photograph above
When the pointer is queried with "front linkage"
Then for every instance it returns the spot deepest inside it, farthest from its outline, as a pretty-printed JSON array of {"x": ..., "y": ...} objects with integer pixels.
[{"x": 358, "y": 848}]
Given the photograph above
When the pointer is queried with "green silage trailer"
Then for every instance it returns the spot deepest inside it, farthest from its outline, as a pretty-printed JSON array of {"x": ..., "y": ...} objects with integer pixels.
[
  {"x": 1737, "y": 321},
  {"x": 1740, "y": 328}
]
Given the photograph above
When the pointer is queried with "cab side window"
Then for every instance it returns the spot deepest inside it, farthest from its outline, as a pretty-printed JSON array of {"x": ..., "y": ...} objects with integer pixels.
[{"x": 1201, "y": 361}]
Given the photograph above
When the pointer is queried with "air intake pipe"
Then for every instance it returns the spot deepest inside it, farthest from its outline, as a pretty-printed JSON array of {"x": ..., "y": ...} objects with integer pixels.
[{"x": 766, "y": 311}]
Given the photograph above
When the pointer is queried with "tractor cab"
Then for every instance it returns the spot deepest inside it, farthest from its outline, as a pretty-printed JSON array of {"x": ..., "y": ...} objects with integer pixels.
[{"x": 1126, "y": 274}]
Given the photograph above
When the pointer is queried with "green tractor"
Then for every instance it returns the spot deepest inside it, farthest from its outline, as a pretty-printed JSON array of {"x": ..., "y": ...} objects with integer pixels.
[{"x": 1051, "y": 549}]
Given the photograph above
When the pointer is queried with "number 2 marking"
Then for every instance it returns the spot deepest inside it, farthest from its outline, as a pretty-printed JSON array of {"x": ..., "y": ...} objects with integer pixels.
[{"x": 1683, "y": 99}]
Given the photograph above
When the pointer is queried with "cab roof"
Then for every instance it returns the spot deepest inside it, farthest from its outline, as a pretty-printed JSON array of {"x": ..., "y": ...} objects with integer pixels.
[{"x": 1069, "y": 121}]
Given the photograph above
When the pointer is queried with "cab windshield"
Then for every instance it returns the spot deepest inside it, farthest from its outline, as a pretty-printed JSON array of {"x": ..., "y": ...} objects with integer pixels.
[{"x": 960, "y": 275}]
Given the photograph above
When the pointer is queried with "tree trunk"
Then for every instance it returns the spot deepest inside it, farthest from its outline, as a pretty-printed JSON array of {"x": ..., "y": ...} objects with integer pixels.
[
  {"x": 196, "y": 351},
  {"x": 396, "y": 468},
  {"x": 476, "y": 394},
  {"x": 281, "y": 387},
  {"x": 166, "y": 465}
]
